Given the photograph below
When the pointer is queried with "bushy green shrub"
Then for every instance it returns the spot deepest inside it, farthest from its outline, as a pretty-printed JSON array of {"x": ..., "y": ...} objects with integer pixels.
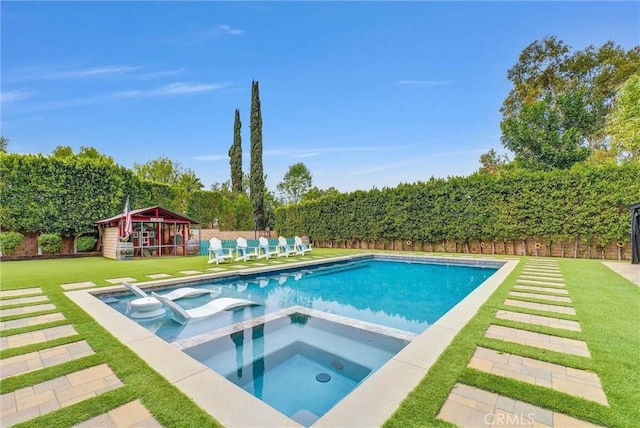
[
  {"x": 10, "y": 241},
  {"x": 50, "y": 242},
  {"x": 86, "y": 243},
  {"x": 587, "y": 203}
]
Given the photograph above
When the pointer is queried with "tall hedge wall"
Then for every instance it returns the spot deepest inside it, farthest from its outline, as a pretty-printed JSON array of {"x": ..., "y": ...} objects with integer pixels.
[
  {"x": 66, "y": 196},
  {"x": 584, "y": 204}
]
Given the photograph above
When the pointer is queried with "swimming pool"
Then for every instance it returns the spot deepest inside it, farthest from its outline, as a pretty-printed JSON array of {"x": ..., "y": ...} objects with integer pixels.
[
  {"x": 372, "y": 402},
  {"x": 379, "y": 303},
  {"x": 407, "y": 294}
]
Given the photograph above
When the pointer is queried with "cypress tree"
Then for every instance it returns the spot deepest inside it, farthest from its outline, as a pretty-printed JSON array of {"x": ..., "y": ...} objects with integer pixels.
[
  {"x": 256, "y": 178},
  {"x": 235, "y": 156}
]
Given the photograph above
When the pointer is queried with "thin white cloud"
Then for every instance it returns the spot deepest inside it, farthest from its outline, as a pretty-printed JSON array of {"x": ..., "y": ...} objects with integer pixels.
[
  {"x": 211, "y": 33},
  {"x": 15, "y": 95},
  {"x": 178, "y": 88},
  {"x": 225, "y": 29},
  {"x": 94, "y": 71},
  {"x": 174, "y": 89},
  {"x": 306, "y": 153},
  {"x": 157, "y": 74},
  {"x": 422, "y": 83},
  {"x": 316, "y": 151},
  {"x": 58, "y": 73}
]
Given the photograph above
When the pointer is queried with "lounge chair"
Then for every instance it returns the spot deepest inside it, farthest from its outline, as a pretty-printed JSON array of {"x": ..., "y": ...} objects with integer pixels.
[
  {"x": 217, "y": 253},
  {"x": 180, "y": 293},
  {"x": 284, "y": 249},
  {"x": 301, "y": 247},
  {"x": 243, "y": 252},
  {"x": 265, "y": 250},
  {"x": 215, "y": 306}
]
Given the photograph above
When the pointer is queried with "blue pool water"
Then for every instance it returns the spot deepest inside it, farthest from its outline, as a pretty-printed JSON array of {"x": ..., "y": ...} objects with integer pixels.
[
  {"x": 302, "y": 365},
  {"x": 407, "y": 295}
]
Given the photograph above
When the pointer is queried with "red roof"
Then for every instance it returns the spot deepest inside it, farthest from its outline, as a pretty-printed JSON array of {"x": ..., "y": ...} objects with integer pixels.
[{"x": 148, "y": 214}]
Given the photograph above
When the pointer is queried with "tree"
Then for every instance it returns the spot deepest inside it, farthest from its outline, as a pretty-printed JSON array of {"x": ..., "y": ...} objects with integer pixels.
[
  {"x": 549, "y": 133},
  {"x": 62, "y": 152},
  {"x": 242, "y": 212},
  {"x": 547, "y": 68},
  {"x": 539, "y": 69},
  {"x": 93, "y": 153},
  {"x": 187, "y": 183},
  {"x": 256, "y": 176},
  {"x": 492, "y": 162},
  {"x": 314, "y": 193},
  {"x": 623, "y": 123},
  {"x": 271, "y": 203},
  {"x": 4, "y": 142},
  {"x": 296, "y": 182},
  {"x": 66, "y": 152},
  {"x": 235, "y": 155},
  {"x": 161, "y": 170}
]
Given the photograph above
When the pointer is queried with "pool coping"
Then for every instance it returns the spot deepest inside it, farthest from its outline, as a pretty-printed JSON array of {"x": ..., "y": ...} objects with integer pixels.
[
  {"x": 218, "y": 333},
  {"x": 383, "y": 391}
]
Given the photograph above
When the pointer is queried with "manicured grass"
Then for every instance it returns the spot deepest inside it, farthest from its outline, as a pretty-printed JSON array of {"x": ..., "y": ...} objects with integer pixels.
[{"x": 607, "y": 308}]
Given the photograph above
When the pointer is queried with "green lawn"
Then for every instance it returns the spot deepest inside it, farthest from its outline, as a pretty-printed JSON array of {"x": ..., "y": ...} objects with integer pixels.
[{"x": 607, "y": 306}]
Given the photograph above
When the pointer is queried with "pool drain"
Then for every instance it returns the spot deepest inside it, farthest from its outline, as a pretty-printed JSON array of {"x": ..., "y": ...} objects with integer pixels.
[
  {"x": 323, "y": 377},
  {"x": 337, "y": 365}
]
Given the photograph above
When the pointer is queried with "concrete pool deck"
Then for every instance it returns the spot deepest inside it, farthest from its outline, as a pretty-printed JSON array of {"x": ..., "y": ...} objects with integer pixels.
[
  {"x": 383, "y": 391},
  {"x": 625, "y": 270}
]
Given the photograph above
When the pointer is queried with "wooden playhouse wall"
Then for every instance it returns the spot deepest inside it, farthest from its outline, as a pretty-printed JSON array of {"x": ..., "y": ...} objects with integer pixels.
[{"x": 109, "y": 242}]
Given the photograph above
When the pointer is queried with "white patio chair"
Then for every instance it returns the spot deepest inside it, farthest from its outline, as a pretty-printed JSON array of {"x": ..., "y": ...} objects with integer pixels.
[{"x": 218, "y": 254}]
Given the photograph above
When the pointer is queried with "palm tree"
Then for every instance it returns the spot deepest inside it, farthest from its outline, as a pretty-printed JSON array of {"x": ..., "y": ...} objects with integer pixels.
[{"x": 187, "y": 183}]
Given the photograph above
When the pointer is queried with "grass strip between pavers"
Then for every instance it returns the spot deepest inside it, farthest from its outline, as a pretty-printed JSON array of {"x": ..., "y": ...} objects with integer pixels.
[
  {"x": 28, "y": 315},
  {"x": 543, "y": 301},
  {"x": 24, "y": 305},
  {"x": 539, "y": 396},
  {"x": 547, "y": 314},
  {"x": 22, "y": 296},
  {"x": 546, "y": 355},
  {"x": 12, "y": 352},
  {"x": 30, "y": 328},
  {"x": 541, "y": 292},
  {"x": 536, "y": 328}
]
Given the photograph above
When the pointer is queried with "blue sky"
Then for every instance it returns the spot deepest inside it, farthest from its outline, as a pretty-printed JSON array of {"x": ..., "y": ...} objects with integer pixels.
[{"x": 365, "y": 94}]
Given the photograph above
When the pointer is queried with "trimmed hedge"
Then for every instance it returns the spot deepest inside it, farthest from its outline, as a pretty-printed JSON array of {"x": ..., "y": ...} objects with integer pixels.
[
  {"x": 10, "y": 241},
  {"x": 585, "y": 204},
  {"x": 67, "y": 196},
  {"x": 86, "y": 243},
  {"x": 50, "y": 242}
]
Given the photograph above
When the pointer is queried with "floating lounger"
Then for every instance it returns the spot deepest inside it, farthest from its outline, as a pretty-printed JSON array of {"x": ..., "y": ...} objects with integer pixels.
[
  {"x": 180, "y": 293},
  {"x": 215, "y": 306}
]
